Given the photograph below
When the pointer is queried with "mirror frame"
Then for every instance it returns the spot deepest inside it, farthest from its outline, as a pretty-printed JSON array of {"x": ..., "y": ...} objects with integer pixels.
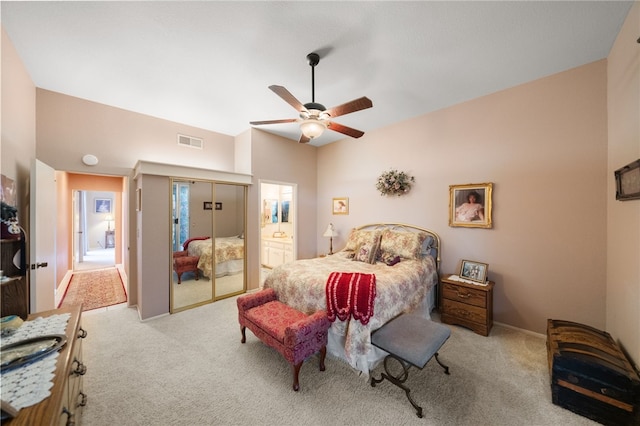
[{"x": 214, "y": 297}]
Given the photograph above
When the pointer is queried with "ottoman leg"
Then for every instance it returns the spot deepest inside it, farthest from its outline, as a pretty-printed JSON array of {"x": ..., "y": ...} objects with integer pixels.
[{"x": 244, "y": 337}]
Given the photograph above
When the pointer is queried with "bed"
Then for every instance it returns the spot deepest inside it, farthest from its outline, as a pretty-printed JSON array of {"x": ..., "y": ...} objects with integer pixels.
[
  {"x": 229, "y": 255},
  {"x": 405, "y": 260}
]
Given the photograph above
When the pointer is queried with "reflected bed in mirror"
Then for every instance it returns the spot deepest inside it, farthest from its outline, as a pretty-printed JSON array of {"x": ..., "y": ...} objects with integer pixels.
[{"x": 218, "y": 269}]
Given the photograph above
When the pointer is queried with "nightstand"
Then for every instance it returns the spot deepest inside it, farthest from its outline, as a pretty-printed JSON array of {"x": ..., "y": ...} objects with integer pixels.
[
  {"x": 468, "y": 305},
  {"x": 110, "y": 238}
]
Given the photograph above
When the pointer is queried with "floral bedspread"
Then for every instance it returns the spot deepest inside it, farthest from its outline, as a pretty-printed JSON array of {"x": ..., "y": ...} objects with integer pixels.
[
  {"x": 227, "y": 248},
  {"x": 399, "y": 288}
]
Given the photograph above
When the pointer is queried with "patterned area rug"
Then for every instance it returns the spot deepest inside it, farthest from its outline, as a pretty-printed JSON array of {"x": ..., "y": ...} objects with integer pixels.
[{"x": 95, "y": 289}]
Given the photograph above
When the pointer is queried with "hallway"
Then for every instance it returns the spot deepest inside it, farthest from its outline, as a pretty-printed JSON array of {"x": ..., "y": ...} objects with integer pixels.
[{"x": 96, "y": 259}]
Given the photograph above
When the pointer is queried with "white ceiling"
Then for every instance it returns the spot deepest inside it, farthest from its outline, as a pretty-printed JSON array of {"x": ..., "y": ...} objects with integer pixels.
[{"x": 208, "y": 64}]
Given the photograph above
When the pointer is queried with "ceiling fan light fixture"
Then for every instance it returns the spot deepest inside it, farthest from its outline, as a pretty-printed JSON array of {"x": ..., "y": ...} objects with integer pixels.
[{"x": 312, "y": 127}]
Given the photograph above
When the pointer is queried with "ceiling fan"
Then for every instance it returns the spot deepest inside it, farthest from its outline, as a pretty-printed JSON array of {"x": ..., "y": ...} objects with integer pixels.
[{"x": 314, "y": 117}]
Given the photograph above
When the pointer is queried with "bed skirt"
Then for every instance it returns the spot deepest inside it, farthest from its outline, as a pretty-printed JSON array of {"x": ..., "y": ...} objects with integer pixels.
[
  {"x": 375, "y": 355},
  {"x": 230, "y": 267}
]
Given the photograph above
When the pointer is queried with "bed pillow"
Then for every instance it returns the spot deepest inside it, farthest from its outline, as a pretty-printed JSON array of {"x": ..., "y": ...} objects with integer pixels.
[
  {"x": 407, "y": 245},
  {"x": 366, "y": 253},
  {"x": 358, "y": 237}
]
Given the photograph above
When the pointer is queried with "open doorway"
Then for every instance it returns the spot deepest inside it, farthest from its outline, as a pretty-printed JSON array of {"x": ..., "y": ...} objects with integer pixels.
[
  {"x": 93, "y": 230},
  {"x": 278, "y": 223}
]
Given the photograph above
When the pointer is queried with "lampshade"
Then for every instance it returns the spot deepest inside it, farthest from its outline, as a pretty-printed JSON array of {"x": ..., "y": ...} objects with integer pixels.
[
  {"x": 312, "y": 127},
  {"x": 330, "y": 232}
]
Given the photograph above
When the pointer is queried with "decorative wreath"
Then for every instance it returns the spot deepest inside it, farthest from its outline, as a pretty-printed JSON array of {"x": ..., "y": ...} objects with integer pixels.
[{"x": 394, "y": 182}]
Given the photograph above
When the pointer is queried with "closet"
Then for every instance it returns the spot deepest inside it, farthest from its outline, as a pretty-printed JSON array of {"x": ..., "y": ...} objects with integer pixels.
[{"x": 196, "y": 220}]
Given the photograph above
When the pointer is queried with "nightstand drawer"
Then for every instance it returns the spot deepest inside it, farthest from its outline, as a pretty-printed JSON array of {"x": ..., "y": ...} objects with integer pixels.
[
  {"x": 465, "y": 295},
  {"x": 464, "y": 311}
]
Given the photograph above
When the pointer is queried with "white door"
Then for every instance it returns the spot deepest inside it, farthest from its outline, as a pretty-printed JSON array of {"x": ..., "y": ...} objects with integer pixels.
[{"x": 42, "y": 253}]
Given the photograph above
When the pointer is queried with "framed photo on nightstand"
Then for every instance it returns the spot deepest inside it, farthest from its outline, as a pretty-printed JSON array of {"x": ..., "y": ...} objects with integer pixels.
[{"x": 474, "y": 271}]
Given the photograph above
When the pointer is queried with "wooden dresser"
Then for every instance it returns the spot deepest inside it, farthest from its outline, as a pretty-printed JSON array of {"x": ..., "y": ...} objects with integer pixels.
[
  {"x": 64, "y": 405},
  {"x": 468, "y": 305}
]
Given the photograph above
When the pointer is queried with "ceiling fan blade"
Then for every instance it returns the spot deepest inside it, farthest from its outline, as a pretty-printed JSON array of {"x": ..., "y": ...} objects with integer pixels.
[
  {"x": 288, "y": 97},
  {"x": 344, "y": 130},
  {"x": 349, "y": 107},
  {"x": 284, "y": 120},
  {"x": 303, "y": 139}
]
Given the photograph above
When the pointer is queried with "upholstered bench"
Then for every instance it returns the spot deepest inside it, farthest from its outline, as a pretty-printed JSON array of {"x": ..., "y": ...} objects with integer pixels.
[
  {"x": 182, "y": 263},
  {"x": 409, "y": 339},
  {"x": 292, "y": 333}
]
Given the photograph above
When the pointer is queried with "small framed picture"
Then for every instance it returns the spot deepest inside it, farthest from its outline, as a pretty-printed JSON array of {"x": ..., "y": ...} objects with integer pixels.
[
  {"x": 208, "y": 205},
  {"x": 341, "y": 205},
  {"x": 628, "y": 182},
  {"x": 102, "y": 205},
  {"x": 218, "y": 206},
  {"x": 474, "y": 271},
  {"x": 470, "y": 205}
]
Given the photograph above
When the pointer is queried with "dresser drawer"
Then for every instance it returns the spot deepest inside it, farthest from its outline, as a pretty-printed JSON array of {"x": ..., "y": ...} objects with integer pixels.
[
  {"x": 464, "y": 311},
  {"x": 465, "y": 295}
]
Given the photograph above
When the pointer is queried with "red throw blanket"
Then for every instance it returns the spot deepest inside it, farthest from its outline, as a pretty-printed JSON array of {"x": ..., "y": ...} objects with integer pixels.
[{"x": 350, "y": 293}]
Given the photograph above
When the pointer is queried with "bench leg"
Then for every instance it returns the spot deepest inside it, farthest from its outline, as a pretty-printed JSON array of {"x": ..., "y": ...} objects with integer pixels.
[
  {"x": 296, "y": 371},
  {"x": 446, "y": 368},
  {"x": 323, "y": 353},
  {"x": 397, "y": 380},
  {"x": 244, "y": 337}
]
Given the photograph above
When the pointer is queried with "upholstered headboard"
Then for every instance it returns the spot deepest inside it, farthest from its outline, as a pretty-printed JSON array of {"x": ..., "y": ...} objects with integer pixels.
[{"x": 430, "y": 246}]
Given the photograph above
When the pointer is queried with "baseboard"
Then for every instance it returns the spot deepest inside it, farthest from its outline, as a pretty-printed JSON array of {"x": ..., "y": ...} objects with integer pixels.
[
  {"x": 62, "y": 288},
  {"x": 150, "y": 318},
  {"x": 522, "y": 330},
  {"x": 125, "y": 279}
]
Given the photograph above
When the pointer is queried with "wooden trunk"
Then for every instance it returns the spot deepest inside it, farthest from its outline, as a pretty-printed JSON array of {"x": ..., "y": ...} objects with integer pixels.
[{"x": 590, "y": 375}]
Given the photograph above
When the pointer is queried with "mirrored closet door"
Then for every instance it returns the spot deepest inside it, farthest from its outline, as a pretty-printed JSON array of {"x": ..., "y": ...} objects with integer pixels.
[{"x": 208, "y": 245}]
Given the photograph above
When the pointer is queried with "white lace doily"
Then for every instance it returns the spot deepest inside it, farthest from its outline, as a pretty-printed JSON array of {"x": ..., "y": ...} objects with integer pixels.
[
  {"x": 464, "y": 280},
  {"x": 27, "y": 385}
]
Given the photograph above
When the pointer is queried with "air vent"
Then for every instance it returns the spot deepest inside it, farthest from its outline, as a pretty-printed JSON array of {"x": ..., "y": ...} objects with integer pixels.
[{"x": 189, "y": 141}]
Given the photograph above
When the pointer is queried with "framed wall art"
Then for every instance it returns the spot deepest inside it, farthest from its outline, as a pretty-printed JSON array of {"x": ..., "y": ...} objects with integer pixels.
[
  {"x": 341, "y": 205},
  {"x": 628, "y": 182},
  {"x": 102, "y": 205},
  {"x": 470, "y": 205},
  {"x": 474, "y": 271}
]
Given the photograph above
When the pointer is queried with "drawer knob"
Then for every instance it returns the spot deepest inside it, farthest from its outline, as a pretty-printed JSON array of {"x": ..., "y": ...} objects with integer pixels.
[
  {"x": 83, "y": 399},
  {"x": 80, "y": 369},
  {"x": 82, "y": 333},
  {"x": 70, "y": 420}
]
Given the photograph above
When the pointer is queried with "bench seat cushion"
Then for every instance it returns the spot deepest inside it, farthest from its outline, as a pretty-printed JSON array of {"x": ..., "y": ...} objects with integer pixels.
[
  {"x": 274, "y": 317},
  {"x": 412, "y": 338}
]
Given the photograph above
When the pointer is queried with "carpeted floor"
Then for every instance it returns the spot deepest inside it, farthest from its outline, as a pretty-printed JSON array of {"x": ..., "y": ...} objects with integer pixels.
[
  {"x": 191, "y": 369},
  {"x": 95, "y": 289}
]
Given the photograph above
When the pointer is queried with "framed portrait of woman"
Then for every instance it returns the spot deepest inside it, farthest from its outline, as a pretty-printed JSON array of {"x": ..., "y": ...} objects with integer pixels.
[{"x": 470, "y": 205}]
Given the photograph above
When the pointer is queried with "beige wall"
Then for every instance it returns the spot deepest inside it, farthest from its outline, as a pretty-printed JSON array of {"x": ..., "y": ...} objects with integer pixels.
[
  {"x": 623, "y": 217},
  {"x": 280, "y": 160},
  {"x": 543, "y": 145},
  {"x": 18, "y": 124},
  {"x": 154, "y": 244},
  {"x": 69, "y": 128}
]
